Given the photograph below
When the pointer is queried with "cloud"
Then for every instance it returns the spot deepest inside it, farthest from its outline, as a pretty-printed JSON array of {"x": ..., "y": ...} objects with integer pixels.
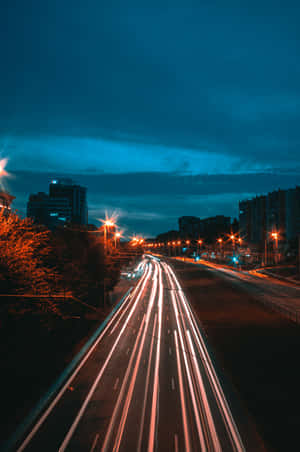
[
  {"x": 152, "y": 202},
  {"x": 228, "y": 86}
]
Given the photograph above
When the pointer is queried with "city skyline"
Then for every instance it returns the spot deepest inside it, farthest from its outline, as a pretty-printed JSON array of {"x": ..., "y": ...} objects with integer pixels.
[{"x": 105, "y": 94}]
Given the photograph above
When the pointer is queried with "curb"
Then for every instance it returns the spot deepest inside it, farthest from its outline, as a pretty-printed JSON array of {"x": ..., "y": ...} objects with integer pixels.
[{"x": 281, "y": 278}]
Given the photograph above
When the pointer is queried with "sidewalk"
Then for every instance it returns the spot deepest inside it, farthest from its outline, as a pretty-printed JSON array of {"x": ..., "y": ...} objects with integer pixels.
[{"x": 285, "y": 273}]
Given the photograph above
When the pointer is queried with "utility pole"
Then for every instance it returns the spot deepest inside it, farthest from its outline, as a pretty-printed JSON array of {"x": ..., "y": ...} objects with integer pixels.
[{"x": 299, "y": 253}]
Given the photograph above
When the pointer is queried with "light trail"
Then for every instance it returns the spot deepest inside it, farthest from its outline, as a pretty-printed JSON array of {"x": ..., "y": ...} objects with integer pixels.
[
  {"x": 188, "y": 373},
  {"x": 182, "y": 397},
  {"x": 156, "y": 369},
  {"x": 200, "y": 394},
  {"x": 203, "y": 397},
  {"x": 92, "y": 390},
  {"x": 134, "y": 374},
  {"x": 214, "y": 381},
  {"x": 71, "y": 378},
  {"x": 146, "y": 389},
  {"x": 121, "y": 394}
]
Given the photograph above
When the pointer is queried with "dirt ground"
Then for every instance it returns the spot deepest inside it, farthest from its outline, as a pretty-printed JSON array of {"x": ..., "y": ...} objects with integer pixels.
[{"x": 255, "y": 349}]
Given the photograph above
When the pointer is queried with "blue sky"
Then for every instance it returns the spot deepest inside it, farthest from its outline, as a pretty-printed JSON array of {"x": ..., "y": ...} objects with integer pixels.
[{"x": 145, "y": 102}]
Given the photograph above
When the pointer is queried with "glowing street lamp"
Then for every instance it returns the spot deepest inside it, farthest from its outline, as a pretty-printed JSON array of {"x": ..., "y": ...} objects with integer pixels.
[
  {"x": 275, "y": 237},
  {"x": 220, "y": 241},
  {"x": 118, "y": 235},
  {"x": 107, "y": 223}
]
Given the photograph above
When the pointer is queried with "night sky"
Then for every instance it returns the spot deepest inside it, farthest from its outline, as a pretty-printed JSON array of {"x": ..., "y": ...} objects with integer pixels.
[{"x": 161, "y": 109}]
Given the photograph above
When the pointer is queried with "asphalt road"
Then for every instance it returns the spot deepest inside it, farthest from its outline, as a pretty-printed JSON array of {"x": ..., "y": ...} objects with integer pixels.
[{"x": 147, "y": 383}]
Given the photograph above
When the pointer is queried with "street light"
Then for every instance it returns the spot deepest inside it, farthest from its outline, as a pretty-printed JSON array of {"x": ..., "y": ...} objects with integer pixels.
[
  {"x": 117, "y": 237},
  {"x": 199, "y": 242},
  {"x": 107, "y": 223},
  {"x": 275, "y": 237},
  {"x": 220, "y": 241}
]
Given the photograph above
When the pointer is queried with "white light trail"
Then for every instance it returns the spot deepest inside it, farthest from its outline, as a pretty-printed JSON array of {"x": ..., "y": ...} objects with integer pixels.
[
  {"x": 92, "y": 390},
  {"x": 182, "y": 397},
  {"x": 134, "y": 374},
  {"x": 214, "y": 381},
  {"x": 71, "y": 378},
  {"x": 153, "y": 418}
]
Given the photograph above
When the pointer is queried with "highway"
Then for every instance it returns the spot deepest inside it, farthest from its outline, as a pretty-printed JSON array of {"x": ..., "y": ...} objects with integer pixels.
[{"x": 146, "y": 384}]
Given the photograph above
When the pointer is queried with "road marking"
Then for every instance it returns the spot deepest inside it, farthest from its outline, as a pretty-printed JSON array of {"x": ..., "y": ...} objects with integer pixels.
[
  {"x": 170, "y": 351},
  {"x": 176, "y": 443},
  {"x": 173, "y": 384},
  {"x": 116, "y": 383},
  {"x": 146, "y": 388},
  {"x": 94, "y": 443},
  {"x": 182, "y": 397}
]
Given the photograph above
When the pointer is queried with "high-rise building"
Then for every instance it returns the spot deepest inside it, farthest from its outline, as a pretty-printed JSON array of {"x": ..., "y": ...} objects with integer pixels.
[
  {"x": 51, "y": 212},
  {"x": 65, "y": 188},
  {"x": 213, "y": 227},
  {"x": 65, "y": 204},
  {"x": 293, "y": 213},
  {"x": 189, "y": 226},
  {"x": 278, "y": 211}
]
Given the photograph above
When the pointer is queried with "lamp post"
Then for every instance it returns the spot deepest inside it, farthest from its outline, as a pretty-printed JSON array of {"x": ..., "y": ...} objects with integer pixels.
[
  {"x": 117, "y": 237},
  {"x": 107, "y": 224},
  {"x": 232, "y": 237},
  {"x": 275, "y": 237},
  {"x": 199, "y": 242},
  {"x": 220, "y": 241},
  {"x": 178, "y": 243}
]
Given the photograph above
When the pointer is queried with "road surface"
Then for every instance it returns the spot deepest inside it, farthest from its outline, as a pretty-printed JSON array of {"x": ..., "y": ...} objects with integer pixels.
[{"x": 147, "y": 383}]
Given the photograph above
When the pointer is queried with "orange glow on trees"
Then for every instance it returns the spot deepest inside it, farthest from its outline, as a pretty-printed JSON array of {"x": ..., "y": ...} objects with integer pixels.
[{"x": 24, "y": 250}]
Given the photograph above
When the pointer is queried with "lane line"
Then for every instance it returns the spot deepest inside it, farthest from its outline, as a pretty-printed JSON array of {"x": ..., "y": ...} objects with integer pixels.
[
  {"x": 201, "y": 386},
  {"x": 122, "y": 391},
  {"x": 146, "y": 388},
  {"x": 176, "y": 449},
  {"x": 94, "y": 443},
  {"x": 116, "y": 384},
  {"x": 173, "y": 384},
  {"x": 182, "y": 397},
  {"x": 92, "y": 390},
  {"x": 190, "y": 382}
]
